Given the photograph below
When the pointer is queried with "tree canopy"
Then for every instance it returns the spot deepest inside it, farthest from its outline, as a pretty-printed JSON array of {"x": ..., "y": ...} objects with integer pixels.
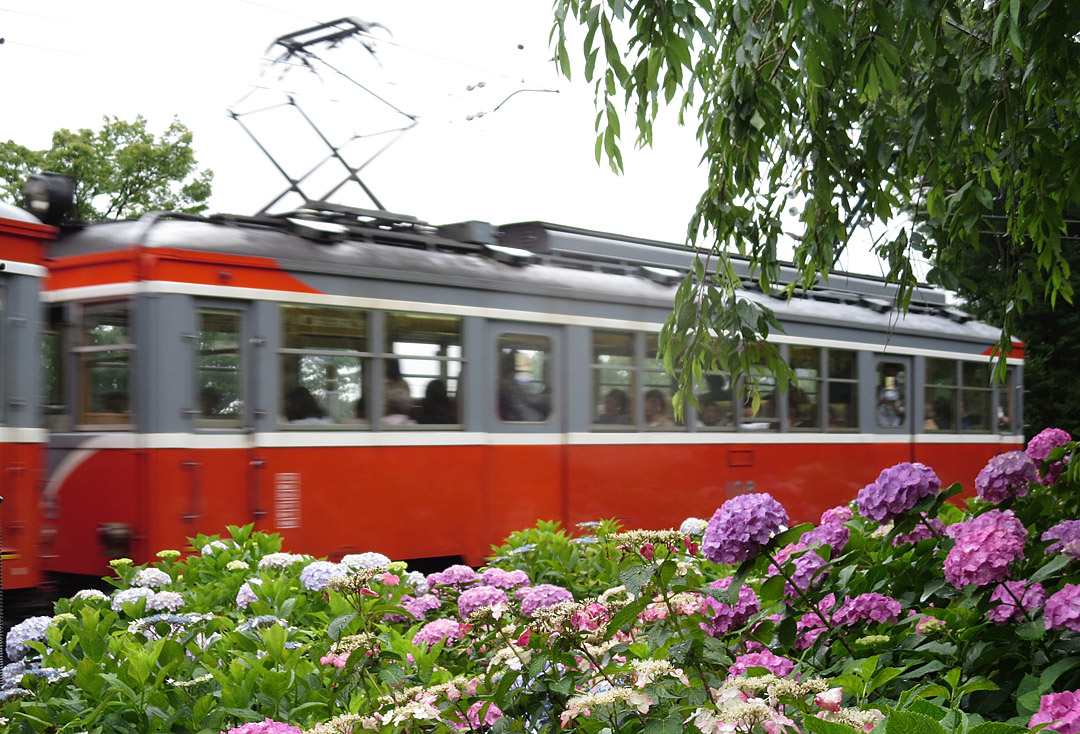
[
  {"x": 121, "y": 170},
  {"x": 959, "y": 114}
]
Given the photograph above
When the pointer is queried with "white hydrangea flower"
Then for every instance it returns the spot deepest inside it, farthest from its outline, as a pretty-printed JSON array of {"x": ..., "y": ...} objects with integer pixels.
[
  {"x": 366, "y": 560},
  {"x": 151, "y": 577},
  {"x": 278, "y": 560},
  {"x": 125, "y": 596},
  {"x": 88, "y": 594}
]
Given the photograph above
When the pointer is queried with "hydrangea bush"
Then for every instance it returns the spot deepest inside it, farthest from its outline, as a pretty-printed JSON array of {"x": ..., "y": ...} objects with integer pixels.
[{"x": 912, "y": 610}]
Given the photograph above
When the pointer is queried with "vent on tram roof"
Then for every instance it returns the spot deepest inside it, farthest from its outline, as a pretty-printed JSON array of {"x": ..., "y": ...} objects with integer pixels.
[
  {"x": 317, "y": 230},
  {"x": 663, "y": 276},
  {"x": 953, "y": 315}
]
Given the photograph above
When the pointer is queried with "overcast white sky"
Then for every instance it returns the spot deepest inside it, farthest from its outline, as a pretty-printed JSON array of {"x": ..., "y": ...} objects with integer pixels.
[{"x": 67, "y": 63}]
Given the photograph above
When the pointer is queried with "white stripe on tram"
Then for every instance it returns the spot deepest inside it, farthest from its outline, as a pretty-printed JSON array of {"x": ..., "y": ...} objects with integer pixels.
[
  {"x": 16, "y": 434},
  {"x": 18, "y": 268}
]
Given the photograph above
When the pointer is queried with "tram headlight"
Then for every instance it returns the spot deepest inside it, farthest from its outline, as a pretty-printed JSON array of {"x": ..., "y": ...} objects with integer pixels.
[{"x": 49, "y": 196}]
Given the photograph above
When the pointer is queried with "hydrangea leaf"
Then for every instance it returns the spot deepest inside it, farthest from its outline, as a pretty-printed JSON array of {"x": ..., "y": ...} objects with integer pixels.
[
  {"x": 911, "y": 722},
  {"x": 820, "y": 726}
]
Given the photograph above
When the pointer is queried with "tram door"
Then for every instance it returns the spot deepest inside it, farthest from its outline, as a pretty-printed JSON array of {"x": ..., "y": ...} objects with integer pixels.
[
  {"x": 892, "y": 418},
  {"x": 525, "y": 415}
]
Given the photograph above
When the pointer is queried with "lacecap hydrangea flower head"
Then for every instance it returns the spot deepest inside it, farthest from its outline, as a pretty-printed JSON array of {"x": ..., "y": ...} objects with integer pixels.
[
  {"x": 1004, "y": 476},
  {"x": 896, "y": 490},
  {"x": 741, "y": 526}
]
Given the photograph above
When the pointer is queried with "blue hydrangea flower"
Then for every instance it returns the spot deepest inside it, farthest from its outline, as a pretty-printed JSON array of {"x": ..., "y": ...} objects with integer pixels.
[
  {"x": 741, "y": 526},
  {"x": 896, "y": 490},
  {"x": 317, "y": 574},
  {"x": 29, "y": 630},
  {"x": 127, "y": 596}
]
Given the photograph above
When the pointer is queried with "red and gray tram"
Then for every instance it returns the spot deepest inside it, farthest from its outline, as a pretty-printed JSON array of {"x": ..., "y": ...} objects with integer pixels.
[{"x": 357, "y": 380}]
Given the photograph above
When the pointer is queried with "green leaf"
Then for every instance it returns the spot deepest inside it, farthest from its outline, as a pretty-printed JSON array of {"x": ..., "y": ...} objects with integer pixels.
[
  {"x": 820, "y": 726},
  {"x": 636, "y": 577},
  {"x": 338, "y": 625},
  {"x": 911, "y": 722},
  {"x": 997, "y": 727}
]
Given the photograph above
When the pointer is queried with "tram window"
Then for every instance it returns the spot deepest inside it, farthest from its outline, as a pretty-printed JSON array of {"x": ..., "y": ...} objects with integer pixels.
[
  {"x": 975, "y": 396},
  {"x": 422, "y": 370},
  {"x": 658, "y": 389},
  {"x": 941, "y": 395},
  {"x": 323, "y": 359},
  {"x": 103, "y": 355},
  {"x": 841, "y": 386},
  {"x": 892, "y": 395},
  {"x": 766, "y": 417},
  {"x": 217, "y": 369},
  {"x": 1006, "y": 403},
  {"x": 525, "y": 378},
  {"x": 716, "y": 402},
  {"x": 804, "y": 401},
  {"x": 613, "y": 379}
]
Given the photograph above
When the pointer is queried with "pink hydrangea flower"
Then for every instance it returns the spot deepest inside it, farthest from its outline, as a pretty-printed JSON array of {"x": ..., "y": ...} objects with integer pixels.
[
  {"x": 871, "y": 607},
  {"x": 1061, "y": 711},
  {"x": 456, "y": 575},
  {"x": 492, "y": 714},
  {"x": 830, "y": 699},
  {"x": 504, "y": 579},
  {"x": 985, "y": 546},
  {"x": 479, "y": 597},
  {"x": 807, "y": 565},
  {"x": 765, "y": 659},
  {"x": 541, "y": 595},
  {"x": 932, "y": 527},
  {"x": 837, "y": 515},
  {"x": 268, "y": 726},
  {"x": 810, "y": 626},
  {"x": 435, "y": 632},
  {"x": 1031, "y": 596},
  {"x": 1004, "y": 476},
  {"x": 722, "y": 618},
  {"x": 741, "y": 526},
  {"x": 1063, "y": 608},
  {"x": 1039, "y": 448},
  {"x": 1065, "y": 532},
  {"x": 833, "y": 534},
  {"x": 421, "y": 605}
]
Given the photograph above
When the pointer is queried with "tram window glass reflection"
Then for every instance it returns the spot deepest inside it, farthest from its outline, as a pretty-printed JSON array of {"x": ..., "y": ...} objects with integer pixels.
[
  {"x": 891, "y": 395},
  {"x": 613, "y": 379},
  {"x": 716, "y": 401},
  {"x": 657, "y": 389},
  {"x": 54, "y": 368},
  {"x": 842, "y": 389},
  {"x": 217, "y": 369},
  {"x": 525, "y": 384},
  {"x": 323, "y": 363},
  {"x": 767, "y": 417},
  {"x": 422, "y": 370},
  {"x": 976, "y": 396},
  {"x": 1007, "y": 402},
  {"x": 942, "y": 395},
  {"x": 804, "y": 401},
  {"x": 104, "y": 365}
]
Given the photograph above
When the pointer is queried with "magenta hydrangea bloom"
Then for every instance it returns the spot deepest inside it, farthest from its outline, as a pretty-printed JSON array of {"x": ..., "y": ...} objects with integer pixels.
[
  {"x": 764, "y": 659},
  {"x": 871, "y": 607},
  {"x": 1039, "y": 448},
  {"x": 504, "y": 579},
  {"x": 985, "y": 546},
  {"x": 896, "y": 490},
  {"x": 541, "y": 595},
  {"x": 932, "y": 527},
  {"x": 421, "y": 605},
  {"x": 722, "y": 618},
  {"x": 806, "y": 564},
  {"x": 1061, "y": 711},
  {"x": 492, "y": 714},
  {"x": 1065, "y": 532},
  {"x": 833, "y": 534},
  {"x": 1063, "y": 608},
  {"x": 1004, "y": 476},
  {"x": 837, "y": 515},
  {"x": 1031, "y": 595},
  {"x": 456, "y": 575},
  {"x": 479, "y": 597},
  {"x": 269, "y": 726},
  {"x": 438, "y": 630},
  {"x": 741, "y": 526},
  {"x": 809, "y": 626}
]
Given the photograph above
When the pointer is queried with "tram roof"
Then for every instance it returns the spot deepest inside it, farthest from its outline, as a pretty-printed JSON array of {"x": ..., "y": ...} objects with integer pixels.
[{"x": 536, "y": 258}]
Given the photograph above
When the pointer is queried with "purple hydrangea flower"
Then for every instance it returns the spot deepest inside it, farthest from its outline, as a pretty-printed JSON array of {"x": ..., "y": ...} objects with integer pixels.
[
  {"x": 541, "y": 595},
  {"x": 126, "y": 596},
  {"x": 741, "y": 526},
  {"x": 921, "y": 531},
  {"x": 1004, "y": 476},
  {"x": 246, "y": 595},
  {"x": 1063, "y": 608},
  {"x": 317, "y": 574},
  {"x": 985, "y": 546},
  {"x": 1061, "y": 711},
  {"x": 1065, "y": 532},
  {"x": 438, "y": 630},
  {"x": 722, "y": 618},
  {"x": 872, "y": 607},
  {"x": 504, "y": 579},
  {"x": 1032, "y": 595},
  {"x": 269, "y": 726},
  {"x": 896, "y": 490},
  {"x": 1039, "y": 448},
  {"x": 837, "y": 515},
  {"x": 775, "y": 664},
  {"x": 810, "y": 626},
  {"x": 456, "y": 575},
  {"x": 31, "y": 629},
  {"x": 833, "y": 534},
  {"x": 479, "y": 597},
  {"x": 421, "y": 605},
  {"x": 806, "y": 563}
]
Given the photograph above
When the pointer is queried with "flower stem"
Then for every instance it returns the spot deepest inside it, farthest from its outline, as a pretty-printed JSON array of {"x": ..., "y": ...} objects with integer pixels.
[{"x": 806, "y": 600}]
